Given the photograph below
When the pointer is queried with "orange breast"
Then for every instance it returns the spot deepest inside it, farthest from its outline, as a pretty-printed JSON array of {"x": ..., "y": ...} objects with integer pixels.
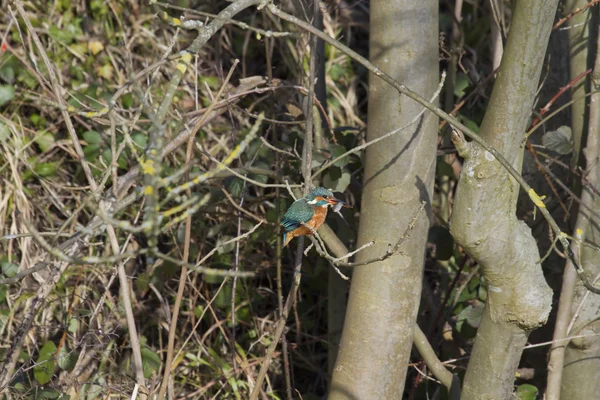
[
  {"x": 319, "y": 217},
  {"x": 315, "y": 223}
]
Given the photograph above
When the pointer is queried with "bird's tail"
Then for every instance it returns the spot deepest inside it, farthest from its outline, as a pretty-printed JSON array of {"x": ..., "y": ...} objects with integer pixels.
[{"x": 287, "y": 239}]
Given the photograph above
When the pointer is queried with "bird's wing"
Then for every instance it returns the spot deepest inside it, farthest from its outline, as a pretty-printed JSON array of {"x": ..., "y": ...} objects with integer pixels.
[{"x": 300, "y": 211}]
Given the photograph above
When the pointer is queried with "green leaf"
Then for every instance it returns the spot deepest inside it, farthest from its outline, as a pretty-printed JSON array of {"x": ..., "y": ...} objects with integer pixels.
[
  {"x": 7, "y": 93},
  {"x": 121, "y": 161},
  {"x": 92, "y": 137},
  {"x": 223, "y": 299},
  {"x": 471, "y": 315},
  {"x": 127, "y": 100},
  {"x": 3, "y": 291},
  {"x": 140, "y": 139},
  {"x": 336, "y": 181},
  {"x": 9, "y": 269},
  {"x": 336, "y": 151},
  {"x": 7, "y": 68},
  {"x": 234, "y": 186},
  {"x": 45, "y": 170},
  {"x": 469, "y": 123},
  {"x": 4, "y": 132},
  {"x": 51, "y": 394},
  {"x": 198, "y": 310},
  {"x": 318, "y": 159},
  {"x": 336, "y": 71},
  {"x": 44, "y": 368},
  {"x": 45, "y": 141},
  {"x": 462, "y": 83},
  {"x": 527, "y": 392},
  {"x": 66, "y": 359},
  {"x": 559, "y": 140},
  {"x": 91, "y": 151},
  {"x": 142, "y": 283},
  {"x": 150, "y": 361},
  {"x": 66, "y": 34},
  {"x": 225, "y": 248},
  {"x": 214, "y": 82},
  {"x": 73, "y": 325}
]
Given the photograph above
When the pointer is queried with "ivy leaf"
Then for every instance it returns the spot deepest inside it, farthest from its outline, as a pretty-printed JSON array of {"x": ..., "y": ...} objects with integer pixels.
[
  {"x": 44, "y": 368},
  {"x": 92, "y": 137},
  {"x": 527, "y": 392},
  {"x": 337, "y": 181},
  {"x": 7, "y": 93},
  {"x": 9, "y": 269},
  {"x": 45, "y": 170},
  {"x": 471, "y": 315},
  {"x": 139, "y": 139},
  {"x": 66, "y": 359},
  {"x": 95, "y": 47},
  {"x": 559, "y": 140},
  {"x": 150, "y": 361},
  {"x": 45, "y": 141},
  {"x": 336, "y": 151},
  {"x": 462, "y": 83}
]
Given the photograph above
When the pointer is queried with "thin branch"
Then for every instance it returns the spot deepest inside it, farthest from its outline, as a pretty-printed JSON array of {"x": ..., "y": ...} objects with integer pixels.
[
  {"x": 240, "y": 208},
  {"x": 448, "y": 379},
  {"x": 573, "y": 13},
  {"x": 390, "y": 251}
]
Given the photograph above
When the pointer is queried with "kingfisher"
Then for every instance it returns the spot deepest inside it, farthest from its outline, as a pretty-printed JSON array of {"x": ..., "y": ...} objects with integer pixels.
[{"x": 310, "y": 210}]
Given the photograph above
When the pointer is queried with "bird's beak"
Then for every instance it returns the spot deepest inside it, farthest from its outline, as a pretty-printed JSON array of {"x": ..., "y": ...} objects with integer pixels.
[{"x": 338, "y": 201}]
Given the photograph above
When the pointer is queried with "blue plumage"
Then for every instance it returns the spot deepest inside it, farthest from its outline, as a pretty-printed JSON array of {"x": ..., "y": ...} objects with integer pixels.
[{"x": 310, "y": 210}]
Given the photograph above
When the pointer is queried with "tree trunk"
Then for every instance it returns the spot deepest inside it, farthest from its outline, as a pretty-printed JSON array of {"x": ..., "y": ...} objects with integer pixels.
[
  {"x": 579, "y": 28},
  {"x": 484, "y": 220},
  {"x": 399, "y": 172},
  {"x": 581, "y": 376}
]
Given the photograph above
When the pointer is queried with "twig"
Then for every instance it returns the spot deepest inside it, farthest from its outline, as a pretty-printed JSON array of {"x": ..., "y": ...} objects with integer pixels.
[
  {"x": 240, "y": 208},
  {"x": 390, "y": 251},
  {"x": 575, "y": 12},
  {"x": 289, "y": 189},
  {"x": 270, "y": 146}
]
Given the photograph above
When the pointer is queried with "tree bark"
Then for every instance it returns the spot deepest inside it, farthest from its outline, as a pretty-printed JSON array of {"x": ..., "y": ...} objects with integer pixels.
[
  {"x": 579, "y": 59},
  {"x": 581, "y": 375},
  {"x": 579, "y": 42},
  {"x": 484, "y": 220},
  {"x": 399, "y": 172}
]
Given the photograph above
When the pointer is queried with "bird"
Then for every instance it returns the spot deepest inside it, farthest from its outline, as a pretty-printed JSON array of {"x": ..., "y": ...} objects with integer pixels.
[{"x": 310, "y": 210}]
